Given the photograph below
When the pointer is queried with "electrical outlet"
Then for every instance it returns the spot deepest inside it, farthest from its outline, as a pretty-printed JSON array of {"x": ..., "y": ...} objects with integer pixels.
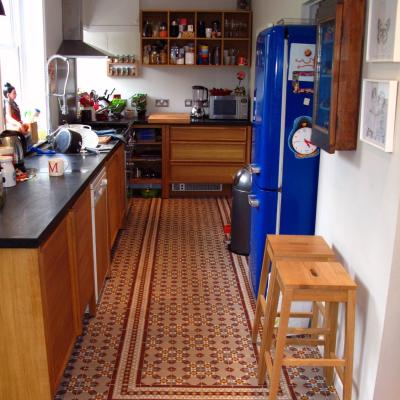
[
  {"x": 188, "y": 102},
  {"x": 162, "y": 103}
]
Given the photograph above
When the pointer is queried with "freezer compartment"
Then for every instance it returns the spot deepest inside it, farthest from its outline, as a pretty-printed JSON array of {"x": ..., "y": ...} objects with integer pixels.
[{"x": 264, "y": 208}]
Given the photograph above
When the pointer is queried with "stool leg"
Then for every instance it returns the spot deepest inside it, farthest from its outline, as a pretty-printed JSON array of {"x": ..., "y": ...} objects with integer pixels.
[
  {"x": 280, "y": 344},
  {"x": 349, "y": 345},
  {"x": 261, "y": 292},
  {"x": 314, "y": 318},
  {"x": 269, "y": 323},
  {"x": 330, "y": 339}
]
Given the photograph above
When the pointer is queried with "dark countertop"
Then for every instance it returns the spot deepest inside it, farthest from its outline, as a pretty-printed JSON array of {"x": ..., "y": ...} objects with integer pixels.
[
  {"x": 193, "y": 121},
  {"x": 33, "y": 208}
]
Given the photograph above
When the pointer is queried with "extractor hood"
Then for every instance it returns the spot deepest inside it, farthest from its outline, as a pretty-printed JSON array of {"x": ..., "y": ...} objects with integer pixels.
[{"x": 73, "y": 45}]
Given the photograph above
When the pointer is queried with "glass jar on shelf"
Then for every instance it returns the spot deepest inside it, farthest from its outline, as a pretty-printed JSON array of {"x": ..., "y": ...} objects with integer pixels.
[
  {"x": 181, "y": 56},
  {"x": 189, "y": 54},
  {"x": 173, "y": 57},
  {"x": 163, "y": 30},
  {"x": 154, "y": 55},
  {"x": 163, "y": 56},
  {"x": 146, "y": 54}
]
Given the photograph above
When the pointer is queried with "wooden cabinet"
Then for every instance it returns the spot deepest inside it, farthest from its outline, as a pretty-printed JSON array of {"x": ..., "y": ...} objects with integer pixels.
[
  {"x": 116, "y": 193},
  {"x": 207, "y": 154},
  {"x": 81, "y": 252},
  {"x": 58, "y": 301},
  {"x": 187, "y": 38},
  {"x": 340, "y": 32},
  {"x": 37, "y": 317}
]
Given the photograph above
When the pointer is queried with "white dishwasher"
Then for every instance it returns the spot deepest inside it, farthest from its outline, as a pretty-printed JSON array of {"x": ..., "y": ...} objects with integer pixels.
[{"x": 101, "y": 251}]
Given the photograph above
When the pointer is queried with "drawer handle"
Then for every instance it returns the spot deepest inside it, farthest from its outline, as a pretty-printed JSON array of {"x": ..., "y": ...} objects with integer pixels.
[{"x": 103, "y": 183}]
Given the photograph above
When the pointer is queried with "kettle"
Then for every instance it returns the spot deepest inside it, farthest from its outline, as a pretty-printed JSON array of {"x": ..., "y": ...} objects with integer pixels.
[{"x": 17, "y": 141}]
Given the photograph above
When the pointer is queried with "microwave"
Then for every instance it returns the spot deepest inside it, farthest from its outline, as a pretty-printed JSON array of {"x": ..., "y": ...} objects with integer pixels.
[{"x": 228, "y": 107}]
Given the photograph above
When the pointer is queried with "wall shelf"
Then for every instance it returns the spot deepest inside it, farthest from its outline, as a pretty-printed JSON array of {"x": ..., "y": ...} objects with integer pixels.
[
  {"x": 122, "y": 69},
  {"x": 231, "y": 33}
]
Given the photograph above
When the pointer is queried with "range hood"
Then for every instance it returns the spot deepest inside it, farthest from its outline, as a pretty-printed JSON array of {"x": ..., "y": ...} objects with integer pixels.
[{"x": 73, "y": 45}]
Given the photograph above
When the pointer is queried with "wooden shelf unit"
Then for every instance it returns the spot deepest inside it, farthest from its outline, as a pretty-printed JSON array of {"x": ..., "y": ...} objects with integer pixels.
[{"x": 231, "y": 22}]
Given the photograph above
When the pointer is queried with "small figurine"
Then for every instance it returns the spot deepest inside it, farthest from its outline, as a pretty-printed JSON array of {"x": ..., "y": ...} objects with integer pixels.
[{"x": 13, "y": 114}]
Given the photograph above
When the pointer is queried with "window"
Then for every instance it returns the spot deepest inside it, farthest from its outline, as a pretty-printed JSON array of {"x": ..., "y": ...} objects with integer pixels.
[
  {"x": 22, "y": 54},
  {"x": 10, "y": 70}
]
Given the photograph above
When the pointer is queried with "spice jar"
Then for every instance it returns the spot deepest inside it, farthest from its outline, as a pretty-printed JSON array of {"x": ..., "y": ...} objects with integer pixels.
[
  {"x": 146, "y": 54},
  {"x": 173, "y": 57},
  {"x": 189, "y": 54},
  {"x": 181, "y": 56},
  {"x": 163, "y": 56},
  {"x": 154, "y": 56},
  {"x": 163, "y": 30}
]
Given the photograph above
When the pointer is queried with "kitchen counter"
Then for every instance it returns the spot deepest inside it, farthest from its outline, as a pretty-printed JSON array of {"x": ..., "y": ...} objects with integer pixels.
[
  {"x": 193, "y": 121},
  {"x": 34, "y": 207}
]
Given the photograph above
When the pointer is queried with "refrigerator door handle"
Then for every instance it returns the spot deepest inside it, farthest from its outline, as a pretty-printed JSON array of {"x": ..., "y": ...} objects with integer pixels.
[
  {"x": 254, "y": 168},
  {"x": 253, "y": 201}
]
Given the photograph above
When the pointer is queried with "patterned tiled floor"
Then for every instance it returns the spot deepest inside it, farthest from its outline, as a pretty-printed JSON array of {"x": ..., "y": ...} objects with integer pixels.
[{"x": 174, "y": 319}]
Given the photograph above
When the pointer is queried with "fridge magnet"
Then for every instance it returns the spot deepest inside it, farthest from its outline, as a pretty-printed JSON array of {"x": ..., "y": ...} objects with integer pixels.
[
  {"x": 378, "y": 110},
  {"x": 300, "y": 139},
  {"x": 383, "y": 37}
]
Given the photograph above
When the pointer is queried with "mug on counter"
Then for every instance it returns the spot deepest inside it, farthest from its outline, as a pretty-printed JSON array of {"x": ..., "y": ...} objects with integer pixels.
[{"x": 57, "y": 166}]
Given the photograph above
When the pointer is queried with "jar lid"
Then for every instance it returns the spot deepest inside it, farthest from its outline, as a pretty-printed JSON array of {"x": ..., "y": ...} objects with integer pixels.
[
  {"x": 6, "y": 150},
  {"x": 6, "y": 158}
]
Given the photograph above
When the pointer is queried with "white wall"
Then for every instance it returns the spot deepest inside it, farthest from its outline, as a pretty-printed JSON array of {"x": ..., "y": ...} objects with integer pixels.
[
  {"x": 358, "y": 214},
  {"x": 53, "y": 24},
  {"x": 53, "y": 35},
  {"x": 171, "y": 83}
]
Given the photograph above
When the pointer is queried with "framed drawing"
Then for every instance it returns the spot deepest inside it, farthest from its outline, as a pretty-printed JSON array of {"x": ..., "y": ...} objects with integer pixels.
[
  {"x": 383, "y": 37},
  {"x": 378, "y": 109}
]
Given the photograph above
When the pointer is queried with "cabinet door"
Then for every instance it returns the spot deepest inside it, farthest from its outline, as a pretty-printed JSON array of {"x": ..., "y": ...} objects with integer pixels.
[
  {"x": 81, "y": 245},
  {"x": 58, "y": 302},
  {"x": 116, "y": 192},
  {"x": 340, "y": 31}
]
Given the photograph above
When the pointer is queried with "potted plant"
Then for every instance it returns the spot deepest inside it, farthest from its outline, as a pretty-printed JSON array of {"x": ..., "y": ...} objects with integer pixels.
[{"x": 139, "y": 101}]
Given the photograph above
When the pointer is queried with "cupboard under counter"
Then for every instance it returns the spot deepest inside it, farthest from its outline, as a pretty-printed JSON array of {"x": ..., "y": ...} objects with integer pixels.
[{"x": 46, "y": 274}]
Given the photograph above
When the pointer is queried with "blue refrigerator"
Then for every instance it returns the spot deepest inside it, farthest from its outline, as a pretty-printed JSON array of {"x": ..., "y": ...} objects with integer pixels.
[{"x": 284, "y": 162}]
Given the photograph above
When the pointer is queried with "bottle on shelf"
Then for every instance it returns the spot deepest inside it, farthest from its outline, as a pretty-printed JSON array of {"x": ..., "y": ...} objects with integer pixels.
[{"x": 174, "y": 30}]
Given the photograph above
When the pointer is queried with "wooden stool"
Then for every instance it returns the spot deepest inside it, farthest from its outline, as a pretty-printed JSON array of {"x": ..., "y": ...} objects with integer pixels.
[
  {"x": 311, "y": 281},
  {"x": 281, "y": 247}
]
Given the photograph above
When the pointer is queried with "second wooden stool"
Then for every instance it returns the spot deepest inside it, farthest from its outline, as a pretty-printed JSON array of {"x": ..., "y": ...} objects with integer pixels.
[
  {"x": 311, "y": 281},
  {"x": 285, "y": 247}
]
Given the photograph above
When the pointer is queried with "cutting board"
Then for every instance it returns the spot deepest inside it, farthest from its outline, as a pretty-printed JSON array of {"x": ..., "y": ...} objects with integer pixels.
[
  {"x": 104, "y": 139},
  {"x": 169, "y": 118}
]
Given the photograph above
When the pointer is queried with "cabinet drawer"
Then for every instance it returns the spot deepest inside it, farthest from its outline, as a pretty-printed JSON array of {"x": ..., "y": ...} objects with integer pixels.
[
  {"x": 224, "y": 152},
  {"x": 203, "y": 173},
  {"x": 206, "y": 133}
]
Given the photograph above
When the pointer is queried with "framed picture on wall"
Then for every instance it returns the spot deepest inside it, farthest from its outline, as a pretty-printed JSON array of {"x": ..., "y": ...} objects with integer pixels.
[
  {"x": 383, "y": 37},
  {"x": 378, "y": 110}
]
